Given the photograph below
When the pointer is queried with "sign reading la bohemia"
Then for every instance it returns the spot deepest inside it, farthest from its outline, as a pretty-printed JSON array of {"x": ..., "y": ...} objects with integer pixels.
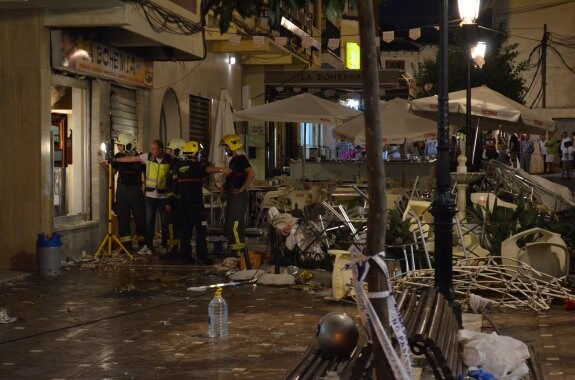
[{"x": 115, "y": 64}]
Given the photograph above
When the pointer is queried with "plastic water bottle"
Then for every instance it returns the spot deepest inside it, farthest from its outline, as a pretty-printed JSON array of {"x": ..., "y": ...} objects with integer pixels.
[{"x": 218, "y": 316}]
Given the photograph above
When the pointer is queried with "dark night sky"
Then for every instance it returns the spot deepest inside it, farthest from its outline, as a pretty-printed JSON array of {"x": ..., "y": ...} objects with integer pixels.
[
  {"x": 413, "y": 13},
  {"x": 400, "y": 15}
]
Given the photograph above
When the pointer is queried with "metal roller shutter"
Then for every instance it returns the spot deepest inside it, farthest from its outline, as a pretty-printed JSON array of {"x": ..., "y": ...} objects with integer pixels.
[
  {"x": 124, "y": 118},
  {"x": 200, "y": 122}
]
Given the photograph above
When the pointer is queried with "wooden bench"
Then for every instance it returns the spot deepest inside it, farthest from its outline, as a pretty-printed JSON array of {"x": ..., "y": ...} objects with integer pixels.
[
  {"x": 431, "y": 331},
  {"x": 315, "y": 365}
]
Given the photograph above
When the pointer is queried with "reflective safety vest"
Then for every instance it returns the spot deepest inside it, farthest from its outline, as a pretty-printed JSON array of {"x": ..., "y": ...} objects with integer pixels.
[{"x": 157, "y": 173}]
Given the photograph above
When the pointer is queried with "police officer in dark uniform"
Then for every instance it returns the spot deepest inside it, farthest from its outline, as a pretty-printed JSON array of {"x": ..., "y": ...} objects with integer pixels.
[
  {"x": 129, "y": 196},
  {"x": 186, "y": 193},
  {"x": 174, "y": 149}
]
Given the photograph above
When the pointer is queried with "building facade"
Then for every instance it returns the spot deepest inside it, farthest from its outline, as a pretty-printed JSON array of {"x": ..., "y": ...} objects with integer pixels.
[
  {"x": 75, "y": 76},
  {"x": 545, "y": 34}
]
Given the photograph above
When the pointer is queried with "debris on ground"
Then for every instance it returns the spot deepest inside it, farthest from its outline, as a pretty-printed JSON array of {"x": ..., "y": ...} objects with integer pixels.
[
  {"x": 282, "y": 279},
  {"x": 515, "y": 285},
  {"x": 500, "y": 355},
  {"x": 228, "y": 265},
  {"x": 247, "y": 274},
  {"x": 5, "y": 318}
]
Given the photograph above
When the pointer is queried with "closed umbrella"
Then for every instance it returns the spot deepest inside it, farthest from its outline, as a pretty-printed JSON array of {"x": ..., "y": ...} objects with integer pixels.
[{"x": 224, "y": 125}]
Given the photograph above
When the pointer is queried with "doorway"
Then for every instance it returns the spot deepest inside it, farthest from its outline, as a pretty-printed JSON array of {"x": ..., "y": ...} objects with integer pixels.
[
  {"x": 170, "y": 120},
  {"x": 70, "y": 150}
]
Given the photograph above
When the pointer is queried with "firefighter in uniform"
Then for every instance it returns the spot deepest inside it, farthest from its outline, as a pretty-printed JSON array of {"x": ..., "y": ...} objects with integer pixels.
[
  {"x": 186, "y": 193},
  {"x": 236, "y": 189},
  {"x": 157, "y": 168},
  {"x": 174, "y": 148},
  {"x": 129, "y": 196}
]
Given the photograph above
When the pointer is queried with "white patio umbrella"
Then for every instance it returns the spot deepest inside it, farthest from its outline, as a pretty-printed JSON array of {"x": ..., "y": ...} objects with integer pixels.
[
  {"x": 490, "y": 109},
  {"x": 224, "y": 125},
  {"x": 398, "y": 124},
  {"x": 302, "y": 108}
]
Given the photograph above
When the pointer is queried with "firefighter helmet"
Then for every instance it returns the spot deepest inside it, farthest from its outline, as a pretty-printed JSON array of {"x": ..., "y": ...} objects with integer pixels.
[
  {"x": 192, "y": 148},
  {"x": 125, "y": 139},
  {"x": 232, "y": 141},
  {"x": 176, "y": 144}
]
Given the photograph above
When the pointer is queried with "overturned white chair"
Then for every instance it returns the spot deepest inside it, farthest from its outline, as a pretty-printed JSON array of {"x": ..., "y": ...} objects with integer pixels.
[
  {"x": 548, "y": 252},
  {"x": 487, "y": 200},
  {"x": 271, "y": 199}
]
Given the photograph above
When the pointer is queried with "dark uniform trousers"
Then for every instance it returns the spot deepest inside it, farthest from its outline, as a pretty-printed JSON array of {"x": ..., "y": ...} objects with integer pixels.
[
  {"x": 130, "y": 201},
  {"x": 192, "y": 215},
  {"x": 236, "y": 208}
]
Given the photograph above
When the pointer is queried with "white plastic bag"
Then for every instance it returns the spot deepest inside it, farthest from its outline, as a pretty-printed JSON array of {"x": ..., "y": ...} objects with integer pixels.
[{"x": 502, "y": 356}]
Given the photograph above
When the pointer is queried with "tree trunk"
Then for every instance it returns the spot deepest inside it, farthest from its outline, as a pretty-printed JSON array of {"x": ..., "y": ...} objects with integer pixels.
[{"x": 377, "y": 216}]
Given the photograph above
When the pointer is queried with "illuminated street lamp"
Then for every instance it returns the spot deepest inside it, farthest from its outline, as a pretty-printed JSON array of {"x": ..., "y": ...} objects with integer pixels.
[
  {"x": 469, "y": 11},
  {"x": 478, "y": 53}
]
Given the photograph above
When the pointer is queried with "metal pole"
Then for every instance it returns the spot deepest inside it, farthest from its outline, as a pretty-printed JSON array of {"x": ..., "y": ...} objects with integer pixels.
[
  {"x": 303, "y": 151},
  {"x": 470, "y": 147},
  {"x": 443, "y": 207},
  {"x": 544, "y": 66}
]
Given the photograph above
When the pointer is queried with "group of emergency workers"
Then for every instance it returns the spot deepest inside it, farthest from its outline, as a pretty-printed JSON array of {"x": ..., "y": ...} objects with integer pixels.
[{"x": 169, "y": 181}]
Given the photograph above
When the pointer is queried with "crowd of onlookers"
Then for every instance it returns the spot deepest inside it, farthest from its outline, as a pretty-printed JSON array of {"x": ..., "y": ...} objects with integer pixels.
[{"x": 537, "y": 155}]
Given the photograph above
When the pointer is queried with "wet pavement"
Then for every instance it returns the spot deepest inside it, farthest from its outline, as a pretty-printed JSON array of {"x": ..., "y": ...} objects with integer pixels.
[
  {"x": 551, "y": 334},
  {"x": 119, "y": 322},
  {"x": 137, "y": 321}
]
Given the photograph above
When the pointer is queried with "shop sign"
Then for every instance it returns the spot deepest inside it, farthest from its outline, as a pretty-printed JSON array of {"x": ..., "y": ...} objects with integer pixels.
[
  {"x": 116, "y": 64},
  {"x": 388, "y": 78},
  {"x": 352, "y": 56},
  {"x": 85, "y": 56}
]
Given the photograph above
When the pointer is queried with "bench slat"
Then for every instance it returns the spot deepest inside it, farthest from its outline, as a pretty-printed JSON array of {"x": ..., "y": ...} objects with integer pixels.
[{"x": 426, "y": 316}]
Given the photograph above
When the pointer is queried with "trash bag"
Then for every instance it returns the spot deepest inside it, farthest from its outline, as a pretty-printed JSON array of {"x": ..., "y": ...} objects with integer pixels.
[{"x": 502, "y": 356}]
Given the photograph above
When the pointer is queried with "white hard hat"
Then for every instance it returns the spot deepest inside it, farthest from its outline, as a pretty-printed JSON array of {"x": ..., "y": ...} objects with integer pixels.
[
  {"x": 125, "y": 139},
  {"x": 176, "y": 144}
]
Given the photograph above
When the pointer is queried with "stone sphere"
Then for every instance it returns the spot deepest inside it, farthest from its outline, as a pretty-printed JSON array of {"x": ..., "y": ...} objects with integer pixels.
[{"x": 337, "y": 335}]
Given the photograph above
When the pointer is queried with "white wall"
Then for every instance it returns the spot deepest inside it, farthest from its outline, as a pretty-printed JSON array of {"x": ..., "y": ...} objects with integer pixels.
[
  {"x": 411, "y": 58},
  {"x": 526, "y": 29},
  {"x": 200, "y": 78}
]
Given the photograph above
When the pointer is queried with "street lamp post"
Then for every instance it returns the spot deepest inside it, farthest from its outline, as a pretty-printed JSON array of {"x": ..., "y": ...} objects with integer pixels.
[
  {"x": 443, "y": 207},
  {"x": 468, "y": 11}
]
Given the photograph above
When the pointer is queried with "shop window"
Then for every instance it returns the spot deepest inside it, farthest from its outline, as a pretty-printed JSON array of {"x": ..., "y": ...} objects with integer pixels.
[
  {"x": 311, "y": 137},
  {"x": 200, "y": 122},
  {"x": 395, "y": 64},
  {"x": 70, "y": 152}
]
